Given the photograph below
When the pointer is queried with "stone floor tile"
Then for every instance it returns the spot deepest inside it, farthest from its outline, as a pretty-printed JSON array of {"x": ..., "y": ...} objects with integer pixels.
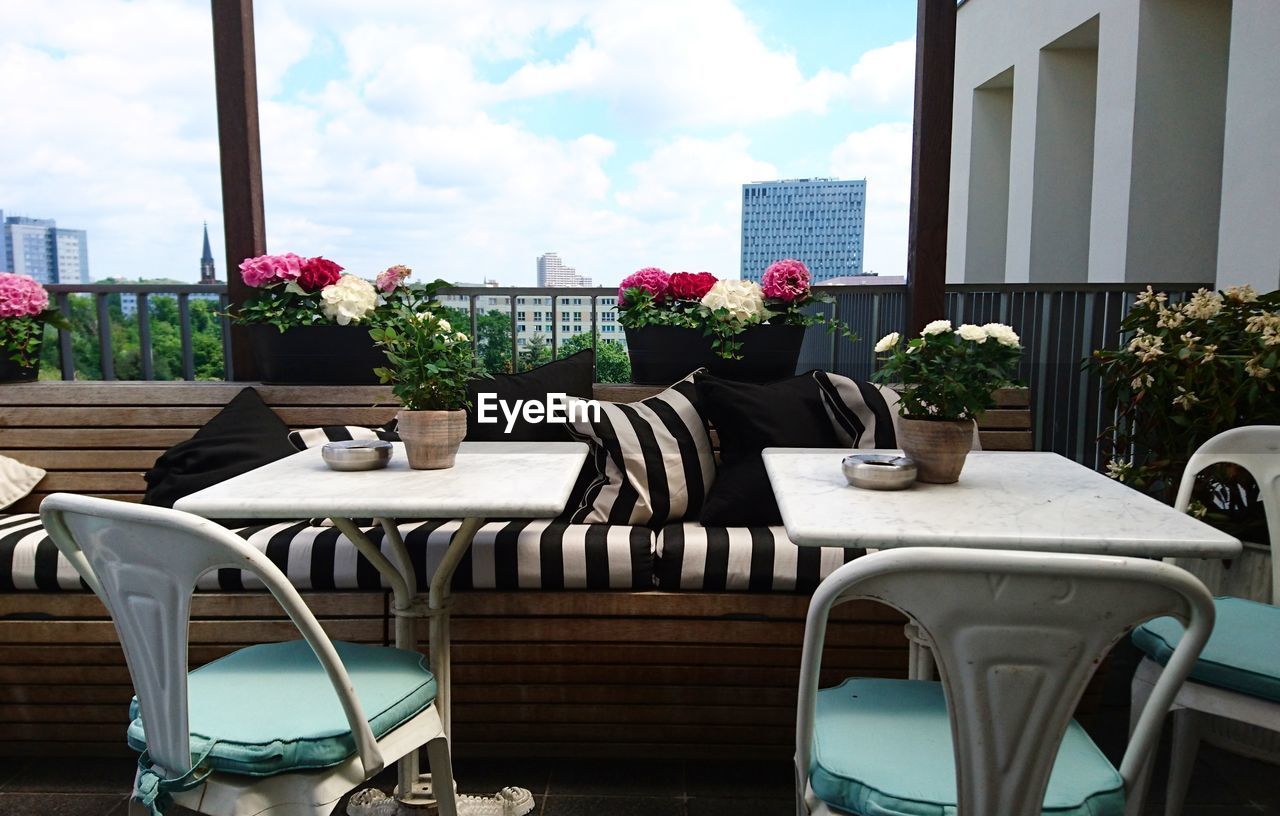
[
  {"x": 740, "y": 780},
  {"x": 60, "y": 804},
  {"x": 74, "y": 775},
  {"x": 612, "y": 806},
  {"x": 620, "y": 777}
]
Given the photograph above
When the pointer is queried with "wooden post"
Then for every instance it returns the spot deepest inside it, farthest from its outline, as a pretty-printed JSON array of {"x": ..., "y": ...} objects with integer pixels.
[
  {"x": 931, "y": 162},
  {"x": 243, "y": 220}
]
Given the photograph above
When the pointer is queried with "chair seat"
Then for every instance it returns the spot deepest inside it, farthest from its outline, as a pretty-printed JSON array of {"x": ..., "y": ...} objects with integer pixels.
[
  {"x": 1241, "y": 654},
  {"x": 270, "y": 708},
  {"x": 883, "y": 748}
]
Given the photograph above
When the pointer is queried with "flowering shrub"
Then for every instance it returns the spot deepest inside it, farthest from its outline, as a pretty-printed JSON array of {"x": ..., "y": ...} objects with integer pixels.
[
  {"x": 721, "y": 309},
  {"x": 429, "y": 363},
  {"x": 296, "y": 291},
  {"x": 1187, "y": 372},
  {"x": 24, "y": 311},
  {"x": 949, "y": 373}
]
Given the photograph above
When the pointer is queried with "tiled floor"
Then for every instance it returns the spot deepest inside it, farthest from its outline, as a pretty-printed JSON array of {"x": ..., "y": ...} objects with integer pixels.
[{"x": 1223, "y": 784}]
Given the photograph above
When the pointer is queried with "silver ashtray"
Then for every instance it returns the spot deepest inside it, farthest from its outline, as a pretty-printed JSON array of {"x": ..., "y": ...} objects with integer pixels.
[
  {"x": 879, "y": 471},
  {"x": 356, "y": 454}
]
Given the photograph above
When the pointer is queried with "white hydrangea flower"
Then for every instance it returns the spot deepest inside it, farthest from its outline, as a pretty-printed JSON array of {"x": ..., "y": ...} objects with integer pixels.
[
  {"x": 937, "y": 327},
  {"x": 972, "y": 333},
  {"x": 887, "y": 342},
  {"x": 350, "y": 300},
  {"x": 1002, "y": 334},
  {"x": 743, "y": 300}
]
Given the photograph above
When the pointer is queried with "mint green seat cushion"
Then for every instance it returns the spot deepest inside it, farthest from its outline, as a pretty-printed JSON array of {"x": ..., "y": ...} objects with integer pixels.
[
  {"x": 1243, "y": 653},
  {"x": 883, "y": 748},
  {"x": 270, "y": 708}
]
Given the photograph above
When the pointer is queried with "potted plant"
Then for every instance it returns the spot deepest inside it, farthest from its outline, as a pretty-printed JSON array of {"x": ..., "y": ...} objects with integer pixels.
[
  {"x": 24, "y": 312},
  {"x": 736, "y": 329},
  {"x": 428, "y": 366},
  {"x": 309, "y": 322},
  {"x": 946, "y": 378},
  {"x": 1187, "y": 372}
]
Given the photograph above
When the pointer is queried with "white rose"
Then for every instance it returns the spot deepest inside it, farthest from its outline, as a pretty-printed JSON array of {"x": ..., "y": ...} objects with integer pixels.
[
  {"x": 743, "y": 300},
  {"x": 460, "y": 337},
  {"x": 937, "y": 327},
  {"x": 976, "y": 334},
  {"x": 349, "y": 300},
  {"x": 887, "y": 342},
  {"x": 444, "y": 326},
  {"x": 1002, "y": 334}
]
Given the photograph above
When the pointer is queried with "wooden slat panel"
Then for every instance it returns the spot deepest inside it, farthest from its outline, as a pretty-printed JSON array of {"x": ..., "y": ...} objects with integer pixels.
[
  {"x": 1007, "y": 440},
  {"x": 95, "y": 481},
  {"x": 187, "y": 393},
  {"x": 31, "y": 503},
  {"x": 1004, "y": 419},
  {"x": 93, "y": 438},
  {"x": 173, "y": 417},
  {"x": 86, "y": 459},
  {"x": 69, "y": 605}
]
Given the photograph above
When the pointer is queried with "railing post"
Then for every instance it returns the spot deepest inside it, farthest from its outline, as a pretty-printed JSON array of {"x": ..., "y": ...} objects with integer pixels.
[
  {"x": 184, "y": 333},
  {"x": 66, "y": 355},
  {"x": 228, "y": 368},
  {"x": 105, "y": 355},
  {"x": 475, "y": 325},
  {"x": 144, "y": 337},
  {"x": 555, "y": 329},
  {"x": 515, "y": 346},
  {"x": 595, "y": 338}
]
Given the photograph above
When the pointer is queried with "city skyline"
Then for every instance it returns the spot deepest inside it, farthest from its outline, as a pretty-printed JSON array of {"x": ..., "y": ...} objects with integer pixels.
[{"x": 466, "y": 138}]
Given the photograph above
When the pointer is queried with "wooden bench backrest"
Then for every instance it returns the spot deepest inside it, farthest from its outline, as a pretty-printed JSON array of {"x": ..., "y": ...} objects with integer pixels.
[{"x": 98, "y": 438}]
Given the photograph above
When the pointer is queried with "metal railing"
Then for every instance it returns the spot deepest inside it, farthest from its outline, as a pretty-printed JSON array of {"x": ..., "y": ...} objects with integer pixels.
[
  {"x": 101, "y": 294},
  {"x": 1060, "y": 326}
]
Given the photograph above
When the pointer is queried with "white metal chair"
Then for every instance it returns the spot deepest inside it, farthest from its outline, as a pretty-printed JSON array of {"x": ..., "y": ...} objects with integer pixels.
[
  {"x": 1016, "y": 637},
  {"x": 279, "y": 727},
  {"x": 1238, "y": 675}
]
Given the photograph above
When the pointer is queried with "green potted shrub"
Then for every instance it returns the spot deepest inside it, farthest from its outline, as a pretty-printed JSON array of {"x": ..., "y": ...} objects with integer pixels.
[
  {"x": 946, "y": 377},
  {"x": 429, "y": 364}
]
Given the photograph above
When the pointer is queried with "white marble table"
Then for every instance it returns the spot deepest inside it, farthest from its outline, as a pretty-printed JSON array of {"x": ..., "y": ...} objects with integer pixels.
[
  {"x": 1004, "y": 501},
  {"x": 488, "y": 480}
]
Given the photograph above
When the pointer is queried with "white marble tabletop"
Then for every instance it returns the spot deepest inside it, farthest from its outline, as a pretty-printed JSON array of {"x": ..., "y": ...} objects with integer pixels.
[
  {"x": 488, "y": 480},
  {"x": 1013, "y": 501}
]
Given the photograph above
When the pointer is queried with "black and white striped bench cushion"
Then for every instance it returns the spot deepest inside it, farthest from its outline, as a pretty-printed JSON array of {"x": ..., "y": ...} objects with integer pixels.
[
  {"x": 523, "y": 554},
  {"x": 747, "y": 559}
]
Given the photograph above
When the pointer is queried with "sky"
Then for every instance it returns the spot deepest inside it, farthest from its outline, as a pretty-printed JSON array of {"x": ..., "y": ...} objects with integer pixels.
[{"x": 460, "y": 137}]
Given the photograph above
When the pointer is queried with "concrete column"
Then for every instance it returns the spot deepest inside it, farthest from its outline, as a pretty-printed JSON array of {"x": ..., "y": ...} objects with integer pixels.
[
  {"x": 1249, "y": 223},
  {"x": 1022, "y": 164},
  {"x": 987, "y": 226}
]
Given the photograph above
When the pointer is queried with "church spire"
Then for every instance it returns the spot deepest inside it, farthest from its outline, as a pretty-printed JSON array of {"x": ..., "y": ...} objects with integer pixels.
[{"x": 207, "y": 273}]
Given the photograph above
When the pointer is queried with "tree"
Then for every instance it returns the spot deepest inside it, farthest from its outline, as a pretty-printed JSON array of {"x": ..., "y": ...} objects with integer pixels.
[{"x": 612, "y": 363}]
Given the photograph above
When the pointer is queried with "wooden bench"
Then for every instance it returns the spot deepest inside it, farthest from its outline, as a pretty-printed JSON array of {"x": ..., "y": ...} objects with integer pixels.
[{"x": 574, "y": 673}]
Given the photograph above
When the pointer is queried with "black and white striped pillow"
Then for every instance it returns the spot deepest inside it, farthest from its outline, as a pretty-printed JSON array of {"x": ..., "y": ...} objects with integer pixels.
[
  {"x": 863, "y": 414},
  {"x": 653, "y": 459},
  {"x": 313, "y": 437}
]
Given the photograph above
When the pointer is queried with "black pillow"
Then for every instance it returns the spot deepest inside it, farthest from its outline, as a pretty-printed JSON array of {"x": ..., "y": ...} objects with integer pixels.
[
  {"x": 572, "y": 376},
  {"x": 242, "y": 436},
  {"x": 749, "y": 417}
]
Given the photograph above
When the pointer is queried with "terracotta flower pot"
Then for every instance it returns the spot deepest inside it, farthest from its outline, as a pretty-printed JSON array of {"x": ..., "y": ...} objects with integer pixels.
[
  {"x": 938, "y": 446},
  {"x": 431, "y": 438}
]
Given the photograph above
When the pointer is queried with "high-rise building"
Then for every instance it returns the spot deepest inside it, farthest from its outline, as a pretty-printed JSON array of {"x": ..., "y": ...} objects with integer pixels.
[
  {"x": 553, "y": 272},
  {"x": 40, "y": 248},
  {"x": 817, "y": 221}
]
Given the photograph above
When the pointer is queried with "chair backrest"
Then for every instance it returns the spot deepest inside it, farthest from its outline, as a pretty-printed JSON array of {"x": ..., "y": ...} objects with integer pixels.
[
  {"x": 1016, "y": 637},
  {"x": 143, "y": 563},
  {"x": 1256, "y": 448}
]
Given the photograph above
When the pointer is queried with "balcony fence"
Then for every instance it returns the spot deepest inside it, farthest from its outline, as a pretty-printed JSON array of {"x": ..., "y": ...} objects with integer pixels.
[{"x": 1060, "y": 326}]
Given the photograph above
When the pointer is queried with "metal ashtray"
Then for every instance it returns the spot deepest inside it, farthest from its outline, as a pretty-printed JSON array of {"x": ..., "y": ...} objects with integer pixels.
[
  {"x": 879, "y": 471},
  {"x": 356, "y": 454}
]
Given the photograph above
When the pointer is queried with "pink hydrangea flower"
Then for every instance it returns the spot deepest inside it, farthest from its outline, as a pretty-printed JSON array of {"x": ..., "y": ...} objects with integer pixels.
[
  {"x": 786, "y": 280},
  {"x": 265, "y": 270},
  {"x": 21, "y": 296},
  {"x": 651, "y": 279},
  {"x": 393, "y": 277}
]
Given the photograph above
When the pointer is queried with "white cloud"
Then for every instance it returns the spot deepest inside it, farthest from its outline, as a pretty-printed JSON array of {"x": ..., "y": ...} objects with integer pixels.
[
  {"x": 405, "y": 149},
  {"x": 882, "y": 155}
]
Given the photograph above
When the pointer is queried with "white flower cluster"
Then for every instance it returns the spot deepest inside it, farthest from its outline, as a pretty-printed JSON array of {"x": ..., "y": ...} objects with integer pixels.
[
  {"x": 1242, "y": 294},
  {"x": 350, "y": 300},
  {"x": 1002, "y": 334},
  {"x": 1268, "y": 325},
  {"x": 743, "y": 300},
  {"x": 1151, "y": 298},
  {"x": 1203, "y": 305},
  {"x": 887, "y": 342},
  {"x": 936, "y": 327},
  {"x": 1147, "y": 346}
]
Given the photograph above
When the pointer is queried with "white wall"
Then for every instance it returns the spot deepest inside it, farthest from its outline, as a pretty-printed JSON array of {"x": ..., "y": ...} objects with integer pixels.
[
  {"x": 1249, "y": 237},
  {"x": 1181, "y": 174}
]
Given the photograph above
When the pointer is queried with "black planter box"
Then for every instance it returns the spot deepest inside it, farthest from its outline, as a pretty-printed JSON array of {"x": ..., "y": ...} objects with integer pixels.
[
  {"x": 661, "y": 355},
  {"x": 12, "y": 372},
  {"x": 328, "y": 355}
]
